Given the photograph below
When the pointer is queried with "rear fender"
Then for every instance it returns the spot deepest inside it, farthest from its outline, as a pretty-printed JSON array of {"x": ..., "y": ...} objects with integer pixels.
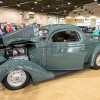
[
  {"x": 36, "y": 71},
  {"x": 93, "y": 55}
]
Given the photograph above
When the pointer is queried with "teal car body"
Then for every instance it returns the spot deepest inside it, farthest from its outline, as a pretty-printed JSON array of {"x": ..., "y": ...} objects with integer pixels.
[{"x": 46, "y": 55}]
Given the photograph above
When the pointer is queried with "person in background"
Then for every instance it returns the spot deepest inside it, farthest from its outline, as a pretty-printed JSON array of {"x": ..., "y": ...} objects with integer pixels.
[
  {"x": 17, "y": 27},
  {"x": 1, "y": 32},
  {"x": 5, "y": 28},
  {"x": 9, "y": 28},
  {"x": 86, "y": 30},
  {"x": 96, "y": 31}
]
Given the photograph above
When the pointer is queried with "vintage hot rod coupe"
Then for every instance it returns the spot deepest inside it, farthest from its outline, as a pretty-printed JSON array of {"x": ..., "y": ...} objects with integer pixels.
[{"x": 43, "y": 53}]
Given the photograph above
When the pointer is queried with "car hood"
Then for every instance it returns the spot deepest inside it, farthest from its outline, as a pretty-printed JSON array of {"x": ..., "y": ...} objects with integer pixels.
[{"x": 29, "y": 33}]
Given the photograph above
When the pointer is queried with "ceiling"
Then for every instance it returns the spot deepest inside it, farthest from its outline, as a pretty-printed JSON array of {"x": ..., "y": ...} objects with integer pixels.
[
  {"x": 52, "y": 7},
  {"x": 93, "y": 11}
]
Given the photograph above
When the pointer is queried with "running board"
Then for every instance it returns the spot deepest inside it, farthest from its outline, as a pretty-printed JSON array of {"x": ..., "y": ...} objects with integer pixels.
[
  {"x": 63, "y": 72},
  {"x": 59, "y": 73}
]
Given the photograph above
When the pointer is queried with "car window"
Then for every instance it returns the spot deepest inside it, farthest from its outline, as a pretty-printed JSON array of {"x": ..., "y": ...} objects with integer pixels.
[
  {"x": 65, "y": 36},
  {"x": 43, "y": 34}
]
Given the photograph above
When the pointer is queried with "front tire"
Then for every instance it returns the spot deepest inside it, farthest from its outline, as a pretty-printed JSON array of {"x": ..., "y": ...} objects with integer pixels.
[
  {"x": 16, "y": 79},
  {"x": 97, "y": 62}
]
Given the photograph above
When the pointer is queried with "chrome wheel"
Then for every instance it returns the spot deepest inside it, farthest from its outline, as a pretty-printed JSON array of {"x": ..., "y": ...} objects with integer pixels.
[
  {"x": 16, "y": 78},
  {"x": 98, "y": 60}
]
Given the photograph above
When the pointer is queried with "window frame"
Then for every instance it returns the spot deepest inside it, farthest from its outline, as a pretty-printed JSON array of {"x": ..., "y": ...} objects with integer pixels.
[{"x": 62, "y": 30}]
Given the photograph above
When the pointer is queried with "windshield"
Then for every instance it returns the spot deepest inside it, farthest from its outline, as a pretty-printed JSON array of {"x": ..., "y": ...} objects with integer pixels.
[{"x": 43, "y": 34}]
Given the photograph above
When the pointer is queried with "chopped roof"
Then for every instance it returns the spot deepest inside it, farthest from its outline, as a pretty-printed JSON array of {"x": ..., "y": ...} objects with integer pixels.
[{"x": 54, "y": 27}]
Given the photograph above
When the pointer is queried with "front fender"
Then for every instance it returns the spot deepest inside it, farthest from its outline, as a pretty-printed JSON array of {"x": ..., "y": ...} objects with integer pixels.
[
  {"x": 93, "y": 55},
  {"x": 36, "y": 71}
]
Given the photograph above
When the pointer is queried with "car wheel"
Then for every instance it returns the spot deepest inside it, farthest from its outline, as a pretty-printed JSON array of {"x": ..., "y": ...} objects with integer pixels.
[
  {"x": 97, "y": 62},
  {"x": 16, "y": 80}
]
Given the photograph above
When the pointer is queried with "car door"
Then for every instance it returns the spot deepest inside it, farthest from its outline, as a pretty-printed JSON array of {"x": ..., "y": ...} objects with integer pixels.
[{"x": 65, "y": 55}]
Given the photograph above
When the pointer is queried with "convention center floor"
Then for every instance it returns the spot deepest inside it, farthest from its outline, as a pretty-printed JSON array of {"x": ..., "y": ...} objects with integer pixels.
[{"x": 81, "y": 85}]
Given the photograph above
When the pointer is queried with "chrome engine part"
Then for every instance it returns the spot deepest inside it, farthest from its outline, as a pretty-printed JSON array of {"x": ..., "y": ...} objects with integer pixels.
[{"x": 16, "y": 53}]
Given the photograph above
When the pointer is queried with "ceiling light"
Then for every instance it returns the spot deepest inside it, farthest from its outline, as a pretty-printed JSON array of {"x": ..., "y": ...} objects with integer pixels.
[
  {"x": 64, "y": 10},
  {"x": 95, "y": 0},
  {"x": 75, "y": 5},
  {"x": 57, "y": 8},
  {"x": 68, "y": 2},
  {"x": 18, "y": 5},
  {"x": 32, "y": 6},
  {"x": 35, "y": 2},
  {"x": 48, "y": 5},
  {"x": 50, "y": 11},
  {"x": 1, "y": 1}
]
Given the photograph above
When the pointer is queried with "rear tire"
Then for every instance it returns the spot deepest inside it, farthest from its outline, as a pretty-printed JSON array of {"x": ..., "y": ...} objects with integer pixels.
[
  {"x": 16, "y": 80},
  {"x": 97, "y": 62}
]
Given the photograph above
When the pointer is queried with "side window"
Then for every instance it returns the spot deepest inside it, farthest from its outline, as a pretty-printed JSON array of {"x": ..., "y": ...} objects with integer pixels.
[{"x": 65, "y": 36}]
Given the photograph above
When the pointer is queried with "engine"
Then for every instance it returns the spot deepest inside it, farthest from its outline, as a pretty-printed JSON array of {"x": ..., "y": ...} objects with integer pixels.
[{"x": 16, "y": 52}]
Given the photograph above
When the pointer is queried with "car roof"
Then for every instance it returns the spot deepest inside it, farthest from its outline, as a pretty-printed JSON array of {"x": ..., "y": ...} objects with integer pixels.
[{"x": 54, "y": 27}]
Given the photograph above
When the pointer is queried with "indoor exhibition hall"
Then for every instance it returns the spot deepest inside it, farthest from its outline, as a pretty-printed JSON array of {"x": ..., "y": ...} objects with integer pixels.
[{"x": 49, "y": 49}]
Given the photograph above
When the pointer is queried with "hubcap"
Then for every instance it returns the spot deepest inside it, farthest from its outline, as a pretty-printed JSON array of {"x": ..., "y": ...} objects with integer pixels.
[
  {"x": 16, "y": 78},
  {"x": 98, "y": 60}
]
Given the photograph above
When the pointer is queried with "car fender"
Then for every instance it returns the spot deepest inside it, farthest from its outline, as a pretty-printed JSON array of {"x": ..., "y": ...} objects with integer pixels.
[
  {"x": 93, "y": 55},
  {"x": 2, "y": 59},
  {"x": 37, "y": 72}
]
